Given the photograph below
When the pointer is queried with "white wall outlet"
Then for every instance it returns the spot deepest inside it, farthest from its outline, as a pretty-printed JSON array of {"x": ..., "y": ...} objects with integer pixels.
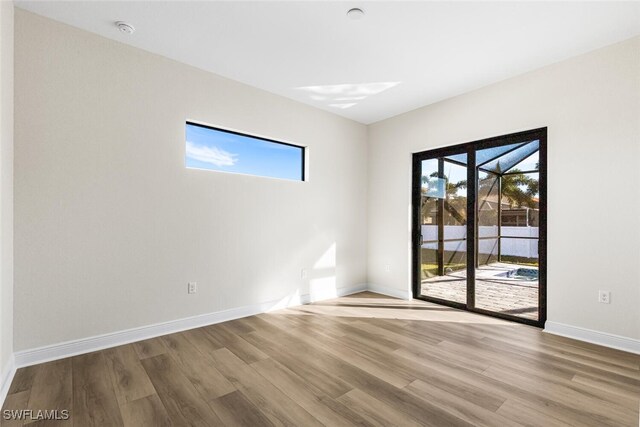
[
  {"x": 604, "y": 297},
  {"x": 387, "y": 268},
  {"x": 304, "y": 273},
  {"x": 192, "y": 288}
]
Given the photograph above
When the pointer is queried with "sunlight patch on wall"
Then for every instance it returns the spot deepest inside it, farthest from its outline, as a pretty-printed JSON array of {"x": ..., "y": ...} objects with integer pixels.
[
  {"x": 327, "y": 259},
  {"x": 323, "y": 288},
  {"x": 291, "y": 300},
  {"x": 322, "y": 283}
]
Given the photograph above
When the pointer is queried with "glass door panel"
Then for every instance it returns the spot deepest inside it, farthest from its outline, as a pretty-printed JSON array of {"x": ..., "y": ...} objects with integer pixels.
[
  {"x": 443, "y": 223},
  {"x": 506, "y": 274}
]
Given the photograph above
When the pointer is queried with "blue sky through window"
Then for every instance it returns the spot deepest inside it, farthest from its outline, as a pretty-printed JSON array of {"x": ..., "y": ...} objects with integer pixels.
[{"x": 228, "y": 152}]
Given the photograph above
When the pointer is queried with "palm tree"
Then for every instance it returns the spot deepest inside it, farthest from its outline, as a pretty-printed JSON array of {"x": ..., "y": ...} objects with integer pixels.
[{"x": 520, "y": 189}]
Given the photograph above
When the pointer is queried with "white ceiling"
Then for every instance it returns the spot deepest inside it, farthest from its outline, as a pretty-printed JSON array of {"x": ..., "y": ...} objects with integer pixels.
[{"x": 401, "y": 56}]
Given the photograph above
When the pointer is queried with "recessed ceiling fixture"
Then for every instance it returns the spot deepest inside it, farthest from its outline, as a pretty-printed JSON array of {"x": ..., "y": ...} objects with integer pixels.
[
  {"x": 355, "y": 13},
  {"x": 125, "y": 27}
]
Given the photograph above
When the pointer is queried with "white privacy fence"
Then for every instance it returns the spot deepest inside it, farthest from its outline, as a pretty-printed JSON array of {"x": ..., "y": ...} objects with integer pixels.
[{"x": 527, "y": 248}]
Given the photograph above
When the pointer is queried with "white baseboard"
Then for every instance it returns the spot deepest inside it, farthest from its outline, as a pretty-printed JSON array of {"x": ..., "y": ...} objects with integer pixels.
[
  {"x": 392, "y": 292},
  {"x": 6, "y": 376},
  {"x": 601, "y": 338},
  {"x": 86, "y": 345}
]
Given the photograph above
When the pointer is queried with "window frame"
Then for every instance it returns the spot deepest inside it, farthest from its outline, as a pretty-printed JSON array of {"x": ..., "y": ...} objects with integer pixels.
[{"x": 303, "y": 151}]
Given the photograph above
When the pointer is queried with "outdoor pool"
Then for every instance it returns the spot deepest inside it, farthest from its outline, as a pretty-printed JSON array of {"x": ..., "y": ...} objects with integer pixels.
[{"x": 521, "y": 274}]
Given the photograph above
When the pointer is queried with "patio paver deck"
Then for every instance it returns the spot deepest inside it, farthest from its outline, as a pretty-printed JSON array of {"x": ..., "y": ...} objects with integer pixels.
[{"x": 508, "y": 296}]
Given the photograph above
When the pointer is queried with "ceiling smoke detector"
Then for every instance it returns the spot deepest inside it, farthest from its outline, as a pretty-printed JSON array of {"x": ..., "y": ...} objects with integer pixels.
[
  {"x": 125, "y": 28},
  {"x": 355, "y": 13}
]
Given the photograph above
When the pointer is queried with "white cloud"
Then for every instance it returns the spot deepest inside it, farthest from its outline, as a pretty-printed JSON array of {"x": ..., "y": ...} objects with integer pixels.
[{"x": 212, "y": 155}]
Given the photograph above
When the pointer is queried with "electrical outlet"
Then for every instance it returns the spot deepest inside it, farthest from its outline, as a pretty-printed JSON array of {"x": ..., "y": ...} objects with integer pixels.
[
  {"x": 387, "y": 268},
  {"x": 604, "y": 297},
  {"x": 192, "y": 288},
  {"x": 304, "y": 273}
]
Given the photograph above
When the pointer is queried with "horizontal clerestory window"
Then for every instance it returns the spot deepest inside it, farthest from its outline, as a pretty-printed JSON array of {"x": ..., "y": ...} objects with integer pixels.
[{"x": 229, "y": 151}]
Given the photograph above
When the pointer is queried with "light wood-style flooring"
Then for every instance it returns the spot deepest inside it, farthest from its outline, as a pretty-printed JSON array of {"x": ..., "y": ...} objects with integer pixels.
[{"x": 364, "y": 360}]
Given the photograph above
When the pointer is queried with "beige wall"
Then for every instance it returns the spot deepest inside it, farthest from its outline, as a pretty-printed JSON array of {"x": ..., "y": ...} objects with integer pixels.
[
  {"x": 110, "y": 225},
  {"x": 591, "y": 106},
  {"x": 6, "y": 185}
]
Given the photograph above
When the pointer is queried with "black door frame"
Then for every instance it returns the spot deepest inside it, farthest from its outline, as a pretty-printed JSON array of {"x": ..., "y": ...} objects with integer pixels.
[{"x": 470, "y": 149}]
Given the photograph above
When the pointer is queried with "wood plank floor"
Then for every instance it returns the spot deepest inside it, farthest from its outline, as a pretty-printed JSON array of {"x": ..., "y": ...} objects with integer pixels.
[{"x": 364, "y": 360}]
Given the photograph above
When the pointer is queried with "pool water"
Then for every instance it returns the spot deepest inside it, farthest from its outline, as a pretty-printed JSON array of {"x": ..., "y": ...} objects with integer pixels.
[{"x": 521, "y": 274}]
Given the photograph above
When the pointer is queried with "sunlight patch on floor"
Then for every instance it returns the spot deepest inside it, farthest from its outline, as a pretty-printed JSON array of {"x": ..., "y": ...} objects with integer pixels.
[{"x": 370, "y": 305}]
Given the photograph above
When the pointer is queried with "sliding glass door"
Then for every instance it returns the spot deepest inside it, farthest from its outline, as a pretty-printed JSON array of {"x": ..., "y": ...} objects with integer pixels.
[{"x": 479, "y": 212}]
